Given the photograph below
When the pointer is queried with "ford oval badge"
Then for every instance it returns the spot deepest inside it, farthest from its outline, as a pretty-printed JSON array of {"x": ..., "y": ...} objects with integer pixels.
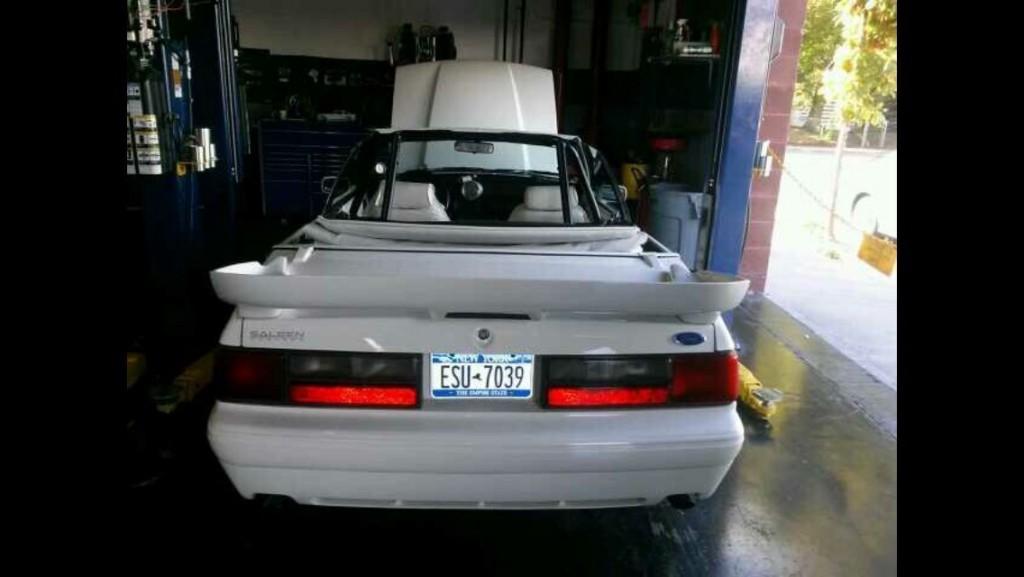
[{"x": 688, "y": 339}]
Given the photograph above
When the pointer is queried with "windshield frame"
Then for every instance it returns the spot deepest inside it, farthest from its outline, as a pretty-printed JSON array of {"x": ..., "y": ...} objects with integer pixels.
[
  {"x": 600, "y": 166},
  {"x": 564, "y": 146}
]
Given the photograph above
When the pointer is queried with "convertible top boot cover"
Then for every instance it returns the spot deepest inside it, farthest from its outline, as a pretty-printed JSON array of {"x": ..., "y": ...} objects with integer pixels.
[{"x": 453, "y": 279}]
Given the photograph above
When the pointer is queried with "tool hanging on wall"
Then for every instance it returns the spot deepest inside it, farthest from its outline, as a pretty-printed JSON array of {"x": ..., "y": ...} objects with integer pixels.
[
  {"x": 407, "y": 46},
  {"x": 147, "y": 138},
  {"x": 427, "y": 44},
  {"x": 159, "y": 100},
  {"x": 445, "y": 46},
  {"x": 199, "y": 153}
]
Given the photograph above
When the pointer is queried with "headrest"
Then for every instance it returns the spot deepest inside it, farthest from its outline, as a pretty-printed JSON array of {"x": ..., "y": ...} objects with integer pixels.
[
  {"x": 413, "y": 195},
  {"x": 548, "y": 197}
]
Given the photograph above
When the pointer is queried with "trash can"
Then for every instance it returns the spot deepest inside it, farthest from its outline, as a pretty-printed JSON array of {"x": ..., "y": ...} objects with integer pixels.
[{"x": 676, "y": 217}]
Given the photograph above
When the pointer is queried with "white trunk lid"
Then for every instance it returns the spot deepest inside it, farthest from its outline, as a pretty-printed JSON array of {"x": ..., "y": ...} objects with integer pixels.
[{"x": 457, "y": 280}]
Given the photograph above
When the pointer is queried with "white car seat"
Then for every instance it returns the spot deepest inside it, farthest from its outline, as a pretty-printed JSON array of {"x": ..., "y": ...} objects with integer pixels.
[
  {"x": 410, "y": 202},
  {"x": 372, "y": 206},
  {"x": 544, "y": 204}
]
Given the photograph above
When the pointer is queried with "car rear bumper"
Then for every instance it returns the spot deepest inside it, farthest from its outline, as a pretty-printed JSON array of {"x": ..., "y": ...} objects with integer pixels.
[{"x": 453, "y": 459}]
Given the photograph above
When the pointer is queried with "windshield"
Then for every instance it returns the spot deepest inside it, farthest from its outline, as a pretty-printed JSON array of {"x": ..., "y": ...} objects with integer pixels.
[{"x": 489, "y": 179}]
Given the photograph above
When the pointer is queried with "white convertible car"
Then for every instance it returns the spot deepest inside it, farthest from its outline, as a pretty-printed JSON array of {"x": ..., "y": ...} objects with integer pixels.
[{"x": 475, "y": 322}]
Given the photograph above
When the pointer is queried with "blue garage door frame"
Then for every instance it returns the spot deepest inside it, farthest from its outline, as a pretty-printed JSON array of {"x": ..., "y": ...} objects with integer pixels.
[{"x": 729, "y": 219}]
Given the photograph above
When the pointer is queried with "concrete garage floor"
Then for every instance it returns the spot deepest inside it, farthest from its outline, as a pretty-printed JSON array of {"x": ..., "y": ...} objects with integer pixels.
[{"x": 813, "y": 494}]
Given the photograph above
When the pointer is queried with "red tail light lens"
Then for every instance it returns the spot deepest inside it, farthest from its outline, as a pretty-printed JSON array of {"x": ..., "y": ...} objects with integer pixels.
[
  {"x": 606, "y": 397},
  {"x": 703, "y": 378},
  {"x": 354, "y": 379},
  {"x": 706, "y": 378},
  {"x": 339, "y": 379},
  {"x": 325, "y": 394},
  {"x": 255, "y": 375}
]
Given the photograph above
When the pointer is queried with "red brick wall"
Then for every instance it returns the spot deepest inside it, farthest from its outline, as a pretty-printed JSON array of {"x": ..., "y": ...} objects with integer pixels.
[{"x": 778, "y": 103}]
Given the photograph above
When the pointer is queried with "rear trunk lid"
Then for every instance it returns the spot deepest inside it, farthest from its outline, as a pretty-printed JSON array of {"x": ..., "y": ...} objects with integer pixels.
[{"x": 450, "y": 279}]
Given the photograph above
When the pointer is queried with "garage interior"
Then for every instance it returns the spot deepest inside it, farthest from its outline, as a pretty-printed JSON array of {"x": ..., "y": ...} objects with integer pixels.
[{"x": 269, "y": 98}]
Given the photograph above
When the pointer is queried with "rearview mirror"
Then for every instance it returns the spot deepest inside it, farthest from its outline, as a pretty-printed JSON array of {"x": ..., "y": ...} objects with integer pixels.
[
  {"x": 473, "y": 147},
  {"x": 327, "y": 184}
]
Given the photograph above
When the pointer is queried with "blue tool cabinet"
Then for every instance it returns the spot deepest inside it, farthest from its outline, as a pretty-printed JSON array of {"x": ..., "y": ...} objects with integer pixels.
[{"x": 294, "y": 155}]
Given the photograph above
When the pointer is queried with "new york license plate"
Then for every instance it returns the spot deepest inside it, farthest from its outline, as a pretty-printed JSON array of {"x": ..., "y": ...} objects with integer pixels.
[{"x": 475, "y": 375}]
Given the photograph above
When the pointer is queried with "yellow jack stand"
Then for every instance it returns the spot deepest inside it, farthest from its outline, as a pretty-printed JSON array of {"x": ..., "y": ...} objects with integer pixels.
[
  {"x": 761, "y": 400},
  {"x": 136, "y": 366},
  {"x": 188, "y": 384}
]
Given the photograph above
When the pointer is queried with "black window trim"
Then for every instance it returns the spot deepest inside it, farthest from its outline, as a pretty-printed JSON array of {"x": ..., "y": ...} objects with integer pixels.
[
  {"x": 602, "y": 164},
  {"x": 580, "y": 150}
]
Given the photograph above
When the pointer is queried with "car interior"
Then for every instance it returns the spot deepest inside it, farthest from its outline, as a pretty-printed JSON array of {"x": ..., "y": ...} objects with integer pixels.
[
  {"x": 471, "y": 182},
  {"x": 425, "y": 196}
]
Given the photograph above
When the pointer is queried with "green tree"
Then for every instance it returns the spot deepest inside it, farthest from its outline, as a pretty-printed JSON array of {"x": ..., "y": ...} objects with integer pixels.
[
  {"x": 862, "y": 74},
  {"x": 821, "y": 36}
]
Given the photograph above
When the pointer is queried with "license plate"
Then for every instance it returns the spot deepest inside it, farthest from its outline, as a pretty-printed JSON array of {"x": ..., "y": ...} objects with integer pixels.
[{"x": 474, "y": 375}]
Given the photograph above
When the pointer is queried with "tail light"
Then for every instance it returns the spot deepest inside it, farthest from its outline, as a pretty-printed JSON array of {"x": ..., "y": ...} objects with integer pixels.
[
  {"x": 694, "y": 379},
  {"x": 341, "y": 394},
  {"x": 363, "y": 379},
  {"x": 249, "y": 375},
  {"x": 329, "y": 379},
  {"x": 606, "y": 396},
  {"x": 706, "y": 378}
]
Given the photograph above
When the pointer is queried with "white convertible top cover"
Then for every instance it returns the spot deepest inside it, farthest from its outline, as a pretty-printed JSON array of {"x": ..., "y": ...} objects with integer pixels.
[{"x": 368, "y": 234}]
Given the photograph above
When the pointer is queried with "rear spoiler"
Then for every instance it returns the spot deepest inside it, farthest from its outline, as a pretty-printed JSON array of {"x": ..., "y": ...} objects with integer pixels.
[{"x": 650, "y": 288}]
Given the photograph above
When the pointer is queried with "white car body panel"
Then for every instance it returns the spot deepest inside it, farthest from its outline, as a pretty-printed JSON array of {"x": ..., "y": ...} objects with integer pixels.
[
  {"x": 444, "y": 454},
  {"x": 403, "y": 333},
  {"x": 448, "y": 280},
  {"x": 387, "y": 287},
  {"x": 456, "y": 459}
]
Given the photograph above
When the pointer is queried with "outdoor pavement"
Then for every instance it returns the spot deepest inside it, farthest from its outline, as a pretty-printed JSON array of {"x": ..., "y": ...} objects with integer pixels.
[{"x": 848, "y": 303}]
